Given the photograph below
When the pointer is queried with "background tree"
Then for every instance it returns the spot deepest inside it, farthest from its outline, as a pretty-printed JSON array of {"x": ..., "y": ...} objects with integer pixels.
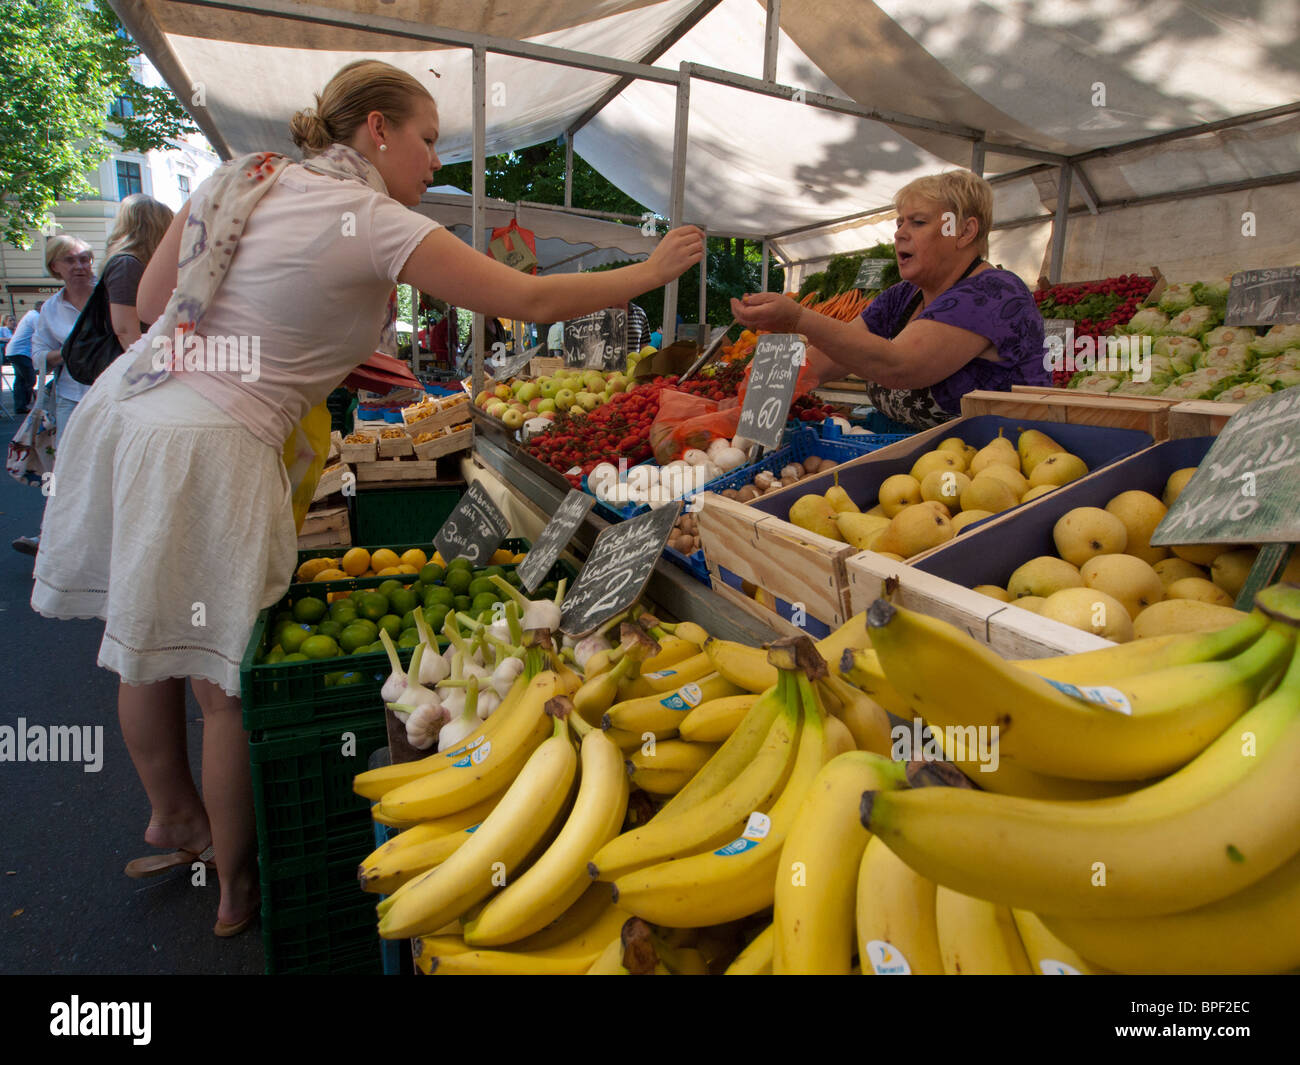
[{"x": 62, "y": 63}]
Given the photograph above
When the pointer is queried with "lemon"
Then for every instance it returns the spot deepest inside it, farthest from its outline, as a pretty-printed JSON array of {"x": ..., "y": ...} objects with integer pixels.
[
  {"x": 389, "y": 571},
  {"x": 414, "y": 557},
  {"x": 437, "y": 559},
  {"x": 404, "y": 568},
  {"x": 318, "y": 647},
  {"x": 520, "y": 557},
  {"x": 308, "y": 570},
  {"x": 384, "y": 559},
  {"x": 310, "y": 610},
  {"x": 501, "y": 555},
  {"x": 356, "y": 561},
  {"x": 331, "y": 575}
]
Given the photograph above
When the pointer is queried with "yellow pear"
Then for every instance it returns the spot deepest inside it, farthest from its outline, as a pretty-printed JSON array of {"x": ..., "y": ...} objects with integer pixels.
[
  {"x": 1230, "y": 569},
  {"x": 1176, "y": 483},
  {"x": 891, "y": 556},
  {"x": 1034, "y": 446},
  {"x": 915, "y": 529},
  {"x": 897, "y": 492},
  {"x": 1202, "y": 554},
  {"x": 944, "y": 461},
  {"x": 1126, "y": 577},
  {"x": 859, "y": 529},
  {"x": 1058, "y": 468},
  {"x": 840, "y": 501},
  {"x": 993, "y": 592},
  {"x": 967, "y": 518},
  {"x": 813, "y": 513},
  {"x": 946, "y": 487},
  {"x": 1038, "y": 490},
  {"x": 1014, "y": 479},
  {"x": 1175, "y": 569},
  {"x": 1199, "y": 589},
  {"x": 955, "y": 444},
  {"x": 1043, "y": 576},
  {"x": 1033, "y": 603},
  {"x": 1140, "y": 512},
  {"x": 1183, "y": 615},
  {"x": 1090, "y": 610},
  {"x": 1085, "y": 532},
  {"x": 877, "y": 512},
  {"x": 999, "y": 450},
  {"x": 989, "y": 493}
]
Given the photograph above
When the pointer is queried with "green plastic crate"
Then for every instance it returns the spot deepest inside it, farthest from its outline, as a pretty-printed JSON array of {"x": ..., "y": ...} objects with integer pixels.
[
  {"x": 335, "y": 934},
  {"x": 396, "y": 515},
  {"x": 287, "y": 886}
]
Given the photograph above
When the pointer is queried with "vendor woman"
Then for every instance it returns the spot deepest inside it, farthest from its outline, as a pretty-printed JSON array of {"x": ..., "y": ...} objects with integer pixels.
[{"x": 953, "y": 324}]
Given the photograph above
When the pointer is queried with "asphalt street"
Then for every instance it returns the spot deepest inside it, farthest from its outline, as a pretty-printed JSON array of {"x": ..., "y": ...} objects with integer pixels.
[{"x": 66, "y": 834}]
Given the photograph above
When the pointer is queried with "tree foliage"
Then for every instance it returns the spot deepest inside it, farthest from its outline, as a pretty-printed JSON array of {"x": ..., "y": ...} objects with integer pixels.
[{"x": 62, "y": 63}]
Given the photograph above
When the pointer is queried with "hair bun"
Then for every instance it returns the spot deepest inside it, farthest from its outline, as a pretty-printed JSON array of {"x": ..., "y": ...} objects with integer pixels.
[{"x": 309, "y": 131}]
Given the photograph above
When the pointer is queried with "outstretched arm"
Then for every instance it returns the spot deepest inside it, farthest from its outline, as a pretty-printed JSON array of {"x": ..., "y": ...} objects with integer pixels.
[
  {"x": 448, "y": 268},
  {"x": 159, "y": 278}
]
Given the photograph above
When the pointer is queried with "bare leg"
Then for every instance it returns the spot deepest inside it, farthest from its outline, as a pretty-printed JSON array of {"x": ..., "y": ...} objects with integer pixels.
[
  {"x": 152, "y": 717},
  {"x": 228, "y": 795}
]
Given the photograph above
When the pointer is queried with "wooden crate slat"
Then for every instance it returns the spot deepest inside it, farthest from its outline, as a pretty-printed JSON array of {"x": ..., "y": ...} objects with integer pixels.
[
  {"x": 756, "y": 610},
  {"x": 358, "y": 453},
  {"x": 1079, "y": 408},
  {"x": 445, "y": 445},
  {"x": 396, "y": 471}
]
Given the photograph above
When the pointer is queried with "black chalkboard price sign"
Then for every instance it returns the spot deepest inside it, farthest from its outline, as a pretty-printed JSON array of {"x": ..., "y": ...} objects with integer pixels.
[
  {"x": 555, "y": 537},
  {"x": 778, "y": 358},
  {"x": 597, "y": 341},
  {"x": 1264, "y": 297},
  {"x": 616, "y": 571},
  {"x": 1247, "y": 489},
  {"x": 474, "y": 529}
]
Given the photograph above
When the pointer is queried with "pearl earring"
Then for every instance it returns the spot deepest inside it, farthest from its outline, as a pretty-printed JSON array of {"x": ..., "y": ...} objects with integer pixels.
[{"x": 383, "y": 147}]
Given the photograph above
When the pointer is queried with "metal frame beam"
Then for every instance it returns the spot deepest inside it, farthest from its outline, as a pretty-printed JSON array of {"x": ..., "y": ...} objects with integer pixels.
[
  {"x": 772, "y": 40},
  {"x": 677, "y": 196},
  {"x": 1061, "y": 221},
  {"x": 478, "y": 333}
]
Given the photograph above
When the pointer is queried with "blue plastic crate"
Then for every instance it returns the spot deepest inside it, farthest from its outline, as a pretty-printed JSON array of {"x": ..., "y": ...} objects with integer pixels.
[{"x": 828, "y": 430}]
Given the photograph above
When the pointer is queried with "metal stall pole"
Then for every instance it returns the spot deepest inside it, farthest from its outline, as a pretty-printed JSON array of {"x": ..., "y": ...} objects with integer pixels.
[
  {"x": 415, "y": 329},
  {"x": 704, "y": 291},
  {"x": 568, "y": 169},
  {"x": 772, "y": 40},
  {"x": 767, "y": 255},
  {"x": 677, "y": 197},
  {"x": 1058, "y": 226},
  {"x": 478, "y": 333},
  {"x": 977, "y": 158}
]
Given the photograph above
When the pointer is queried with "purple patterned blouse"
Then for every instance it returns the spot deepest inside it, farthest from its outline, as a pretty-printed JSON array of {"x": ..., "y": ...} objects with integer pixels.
[{"x": 996, "y": 305}]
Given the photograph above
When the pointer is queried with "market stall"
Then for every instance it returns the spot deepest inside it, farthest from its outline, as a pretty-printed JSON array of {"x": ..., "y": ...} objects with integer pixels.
[{"x": 765, "y": 635}]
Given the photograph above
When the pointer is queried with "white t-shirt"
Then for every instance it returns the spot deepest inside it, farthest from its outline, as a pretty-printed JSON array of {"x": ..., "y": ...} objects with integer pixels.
[
  {"x": 56, "y": 320},
  {"x": 307, "y": 293}
]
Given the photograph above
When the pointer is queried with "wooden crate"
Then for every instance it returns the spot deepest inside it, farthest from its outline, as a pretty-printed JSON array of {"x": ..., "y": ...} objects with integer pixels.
[
  {"x": 357, "y": 453},
  {"x": 395, "y": 447},
  {"x": 336, "y": 443},
  {"x": 544, "y": 365},
  {"x": 327, "y": 527},
  {"x": 397, "y": 471},
  {"x": 1009, "y": 630},
  {"x": 331, "y": 481},
  {"x": 1079, "y": 408},
  {"x": 754, "y": 609},
  {"x": 790, "y": 563},
  {"x": 1200, "y": 417},
  {"x": 447, "y": 415},
  {"x": 457, "y": 440}
]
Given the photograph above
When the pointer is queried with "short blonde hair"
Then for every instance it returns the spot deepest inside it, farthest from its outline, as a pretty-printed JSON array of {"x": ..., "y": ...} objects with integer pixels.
[
  {"x": 141, "y": 224},
  {"x": 356, "y": 90},
  {"x": 964, "y": 193},
  {"x": 58, "y": 246}
]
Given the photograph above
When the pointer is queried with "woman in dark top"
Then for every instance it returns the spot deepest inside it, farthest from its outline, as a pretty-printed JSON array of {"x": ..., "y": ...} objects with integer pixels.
[
  {"x": 954, "y": 324},
  {"x": 141, "y": 223}
]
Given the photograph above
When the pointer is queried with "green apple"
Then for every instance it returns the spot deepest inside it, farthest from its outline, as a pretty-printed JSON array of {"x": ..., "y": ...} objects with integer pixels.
[
  {"x": 504, "y": 392},
  {"x": 593, "y": 381},
  {"x": 482, "y": 398},
  {"x": 564, "y": 398},
  {"x": 549, "y": 386},
  {"x": 513, "y": 418},
  {"x": 546, "y": 406},
  {"x": 616, "y": 383},
  {"x": 528, "y": 392},
  {"x": 496, "y": 408},
  {"x": 589, "y": 400}
]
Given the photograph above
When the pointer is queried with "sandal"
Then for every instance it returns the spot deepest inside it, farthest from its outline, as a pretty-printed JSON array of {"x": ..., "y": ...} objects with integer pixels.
[
  {"x": 157, "y": 864},
  {"x": 226, "y": 929}
]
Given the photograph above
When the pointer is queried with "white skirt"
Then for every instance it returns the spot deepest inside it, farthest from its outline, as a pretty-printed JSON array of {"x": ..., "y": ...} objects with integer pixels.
[{"x": 172, "y": 523}]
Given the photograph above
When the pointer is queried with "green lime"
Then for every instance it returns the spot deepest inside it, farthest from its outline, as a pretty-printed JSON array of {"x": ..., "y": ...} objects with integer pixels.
[
  {"x": 419, "y": 588},
  {"x": 439, "y": 596},
  {"x": 432, "y": 573},
  {"x": 494, "y": 571},
  {"x": 310, "y": 610},
  {"x": 546, "y": 591},
  {"x": 460, "y": 563},
  {"x": 484, "y": 601},
  {"x": 332, "y": 679},
  {"x": 377, "y": 647},
  {"x": 462, "y": 602},
  {"x": 391, "y": 624},
  {"x": 330, "y": 628},
  {"x": 352, "y": 637},
  {"x": 352, "y": 677},
  {"x": 298, "y": 657},
  {"x": 479, "y": 586},
  {"x": 274, "y": 655},
  {"x": 401, "y": 600},
  {"x": 343, "y": 610},
  {"x": 372, "y": 605},
  {"x": 458, "y": 580},
  {"x": 408, "y": 620},
  {"x": 293, "y": 637},
  {"x": 390, "y": 586},
  {"x": 365, "y": 649},
  {"x": 282, "y": 616},
  {"x": 318, "y": 647},
  {"x": 488, "y": 616},
  {"x": 513, "y": 578},
  {"x": 436, "y": 616},
  {"x": 408, "y": 639}
]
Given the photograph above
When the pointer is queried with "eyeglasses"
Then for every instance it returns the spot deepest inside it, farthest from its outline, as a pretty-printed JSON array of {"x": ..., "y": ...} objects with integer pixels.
[{"x": 84, "y": 259}]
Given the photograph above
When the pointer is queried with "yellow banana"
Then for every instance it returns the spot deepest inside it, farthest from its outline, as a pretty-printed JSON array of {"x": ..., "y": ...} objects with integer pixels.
[
  {"x": 678, "y": 755},
  {"x": 816, "y": 879},
  {"x": 666, "y": 680},
  {"x": 559, "y": 877},
  {"x": 839, "y": 736},
  {"x": 755, "y": 959},
  {"x": 625, "y": 741},
  {"x": 610, "y": 960},
  {"x": 375, "y": 783},
  {"x": 598, "y": 693},
  {"x": 1252, "y": 932},
  {"x": 853, "y": 635},
  {"x": 571, "y": 957},
  {"x": 714, "y": 721},
  {"x": 862, "y": 670},
  {"x": 866, "y": 719},
  {"x": 738, "y": 879},
  {"x": 592, "y": 904},
  {"x": 520, "y": 821},
  {"x": 487, "y": 769},
  {"x": 895, "y": 917},
  {"x": 977, "y": 938},
  {"x": 714, "y": 821},
  {"x": 662, "y": 713},
  {"x": 1151, "y": 724},
  {"x": 688, "y": 631},
  {"x": 673, "y": 650},
  {"x": 661, "y": 782},
  {"x": 1223, "y": 822},
  {"x": 384, "y": 871},
  {"x": 1048, "y": 956},
  {"x": 748, "y": 667}
]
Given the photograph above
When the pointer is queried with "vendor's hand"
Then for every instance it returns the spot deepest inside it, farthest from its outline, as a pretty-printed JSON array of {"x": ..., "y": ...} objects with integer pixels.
[
  {"x": 680, "y": 249},
  {"x": 767, "y": 310}
]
